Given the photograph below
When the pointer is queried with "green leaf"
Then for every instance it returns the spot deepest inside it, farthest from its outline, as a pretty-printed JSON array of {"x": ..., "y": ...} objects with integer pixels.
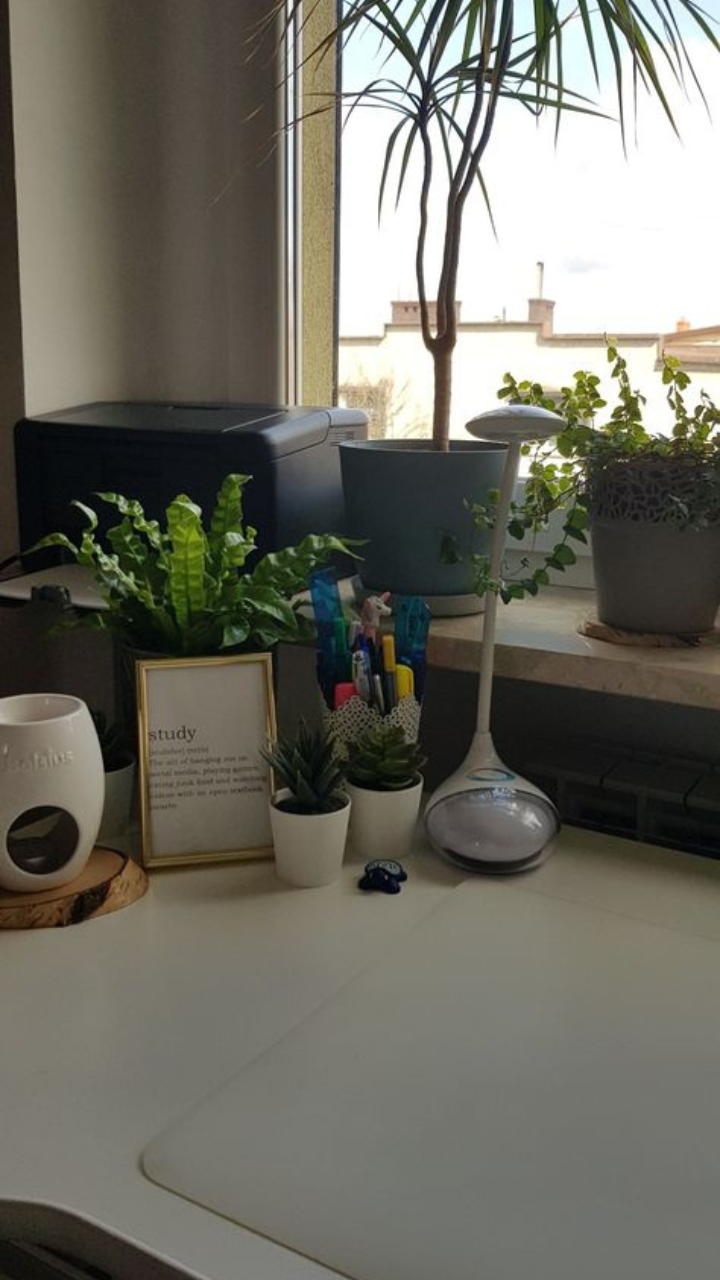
[
  {"x": 562, "y": 555},
  {"x": 187, "y": 560}
]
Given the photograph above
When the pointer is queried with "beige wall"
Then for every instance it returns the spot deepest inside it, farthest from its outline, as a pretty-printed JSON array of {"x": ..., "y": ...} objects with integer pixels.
[
  {"x": 149, "y": 210},
  {"x": 11, "y": 383}
]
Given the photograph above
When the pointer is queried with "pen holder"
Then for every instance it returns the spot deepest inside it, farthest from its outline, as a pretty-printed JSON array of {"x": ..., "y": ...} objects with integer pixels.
[{"x": 356, "y": 716}]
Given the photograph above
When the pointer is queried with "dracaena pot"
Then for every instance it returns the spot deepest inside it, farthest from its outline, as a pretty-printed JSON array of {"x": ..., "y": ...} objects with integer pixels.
[
  {"x": 309, "y": 847},
  {"x": 51, "y": 790},
  {"x": 410, "y": 502},
  {"x": 383, "y": 823}
]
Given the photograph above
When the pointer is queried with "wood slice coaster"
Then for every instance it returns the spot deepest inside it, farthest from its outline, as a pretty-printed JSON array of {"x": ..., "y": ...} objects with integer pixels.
[
  {"x": 646, "y": 639},
  {"x": 109, "y": 882}
]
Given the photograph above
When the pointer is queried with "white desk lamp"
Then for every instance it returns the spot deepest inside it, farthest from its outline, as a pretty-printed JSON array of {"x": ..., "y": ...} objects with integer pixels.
[{"x": 485, "y": 817}]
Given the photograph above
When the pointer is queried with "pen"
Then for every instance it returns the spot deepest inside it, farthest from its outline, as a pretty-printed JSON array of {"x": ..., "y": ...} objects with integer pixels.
[
  {"x": 418, "y": 666},
  {"x": 361, "y": 674},
  {"x": 342, "y": 653},
  {"x": 378, "y": 694},
  {"x": 354, "y": 632},
  {"x": 326, "y": 606},
  {"x": 389, "y": 669},
  {"x": 344, "y": 691},
  {"x": 405, "y": 681}
]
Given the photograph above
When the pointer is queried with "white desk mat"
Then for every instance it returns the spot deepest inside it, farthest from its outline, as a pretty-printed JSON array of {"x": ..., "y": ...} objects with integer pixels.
[{"x": 521, "y": 1089}]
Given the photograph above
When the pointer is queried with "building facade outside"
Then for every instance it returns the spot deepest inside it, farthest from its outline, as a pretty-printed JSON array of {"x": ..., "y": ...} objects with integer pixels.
[{"x": 391, "y": 375}]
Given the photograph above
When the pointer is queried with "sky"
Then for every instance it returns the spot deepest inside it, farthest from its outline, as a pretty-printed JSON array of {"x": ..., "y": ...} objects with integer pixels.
[{"x": 629, "y": 242}]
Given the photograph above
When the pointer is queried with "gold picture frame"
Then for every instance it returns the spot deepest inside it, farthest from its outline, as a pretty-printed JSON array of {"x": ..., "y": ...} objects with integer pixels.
[{"x": 204, "y": 787}]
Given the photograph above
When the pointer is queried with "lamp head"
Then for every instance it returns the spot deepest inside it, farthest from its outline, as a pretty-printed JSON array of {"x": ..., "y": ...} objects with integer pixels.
[{"x": 513, "y": 422}]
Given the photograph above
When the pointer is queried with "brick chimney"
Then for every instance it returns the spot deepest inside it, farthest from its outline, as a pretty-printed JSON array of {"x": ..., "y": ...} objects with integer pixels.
[
  {"x": 540, "y": 311},
  {"x": 408, "y": 313},
  {"x": 682, "y": 325}
]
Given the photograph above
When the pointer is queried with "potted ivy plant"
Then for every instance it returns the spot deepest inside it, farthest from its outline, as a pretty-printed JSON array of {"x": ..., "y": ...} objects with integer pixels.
[
  {"x": 384, "y": 781},
  {"x": 649, "y": 501},
  {"x": 445, "y": 73},
  {"x": 309, "y": 811}
]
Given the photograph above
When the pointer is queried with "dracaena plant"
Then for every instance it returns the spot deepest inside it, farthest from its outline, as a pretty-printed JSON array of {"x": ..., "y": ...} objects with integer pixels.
[
  {"x": 598, "y": 447},
  {"x": 446, "y": 70},
  {"x": 186, "y": 590}
]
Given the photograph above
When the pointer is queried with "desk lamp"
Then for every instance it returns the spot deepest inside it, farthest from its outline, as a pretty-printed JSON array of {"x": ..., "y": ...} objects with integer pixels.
[{"x": 485, "y": 817}]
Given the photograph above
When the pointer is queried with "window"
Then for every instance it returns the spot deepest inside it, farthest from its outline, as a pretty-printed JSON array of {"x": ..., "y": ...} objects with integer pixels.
[{"x": 589, "y": 242}]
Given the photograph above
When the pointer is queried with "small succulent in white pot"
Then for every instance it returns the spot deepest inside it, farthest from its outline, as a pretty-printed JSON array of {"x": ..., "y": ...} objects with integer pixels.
[
  {"x": 385, "y": 783},
  {"x": 309, "y": 812}
]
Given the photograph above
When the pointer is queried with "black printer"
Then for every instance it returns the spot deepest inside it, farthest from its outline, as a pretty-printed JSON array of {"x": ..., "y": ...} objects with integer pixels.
[{"x": 153, "y": 451}]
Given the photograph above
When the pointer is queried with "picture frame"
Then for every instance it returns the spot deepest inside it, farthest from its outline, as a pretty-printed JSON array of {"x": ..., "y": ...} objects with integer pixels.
[{"x": 204, "y": 787}]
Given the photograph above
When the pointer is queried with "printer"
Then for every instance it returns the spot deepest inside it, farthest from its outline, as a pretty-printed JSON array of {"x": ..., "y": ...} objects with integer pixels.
[{"x": 153, "y": 451}]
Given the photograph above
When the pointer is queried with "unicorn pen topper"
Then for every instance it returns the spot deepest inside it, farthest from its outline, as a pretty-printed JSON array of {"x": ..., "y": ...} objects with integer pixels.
[{"x": 373, "y": 609}]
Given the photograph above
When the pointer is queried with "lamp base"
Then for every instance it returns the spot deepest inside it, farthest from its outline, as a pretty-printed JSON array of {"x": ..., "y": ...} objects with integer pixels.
[
  {"x": 486, "y": 818},
  {"x": 477, "y": 866}
]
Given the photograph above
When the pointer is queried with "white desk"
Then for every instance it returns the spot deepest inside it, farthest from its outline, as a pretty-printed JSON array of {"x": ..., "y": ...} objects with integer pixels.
[{"x": 114, "y": 1029}]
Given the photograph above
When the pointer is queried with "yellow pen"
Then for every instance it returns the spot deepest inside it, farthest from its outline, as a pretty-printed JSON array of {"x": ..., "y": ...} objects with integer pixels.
[{"x": 389, "y": 672}]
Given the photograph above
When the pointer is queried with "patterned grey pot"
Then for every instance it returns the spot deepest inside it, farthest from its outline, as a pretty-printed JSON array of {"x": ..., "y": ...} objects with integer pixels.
[{"x": 651, "y": 573}]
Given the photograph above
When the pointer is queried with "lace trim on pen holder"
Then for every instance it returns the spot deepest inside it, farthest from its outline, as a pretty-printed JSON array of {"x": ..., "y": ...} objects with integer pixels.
[{"x": 356, "y": 716}]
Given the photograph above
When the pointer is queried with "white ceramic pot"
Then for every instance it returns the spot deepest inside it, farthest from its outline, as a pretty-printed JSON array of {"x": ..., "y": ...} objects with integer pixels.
[
  {"x": 119, "y": 785},
  {"x": 51, "y": 790},
  {"x": 309, "y": 847},
  {"x": 382, "y": 823}
]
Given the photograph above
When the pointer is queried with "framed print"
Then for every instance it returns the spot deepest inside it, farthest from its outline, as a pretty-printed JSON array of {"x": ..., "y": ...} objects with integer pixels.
[{"x": 204, "y": 787}]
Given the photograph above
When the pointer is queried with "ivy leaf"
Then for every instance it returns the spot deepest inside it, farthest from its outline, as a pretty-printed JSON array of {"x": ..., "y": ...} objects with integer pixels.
[{"x": 562, "y": 556}]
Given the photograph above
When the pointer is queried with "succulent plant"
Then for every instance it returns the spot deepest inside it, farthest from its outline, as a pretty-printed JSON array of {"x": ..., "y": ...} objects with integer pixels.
[
  {"x": 308, "y": 765},
  {"x": 382, "y": 759}
]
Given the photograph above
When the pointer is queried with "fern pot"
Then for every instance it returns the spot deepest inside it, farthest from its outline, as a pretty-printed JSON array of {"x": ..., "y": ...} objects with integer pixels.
[
  {"x": 652, "y": 575},
  {"x": 383, "y": 823},
  {"x": 119, "y": 787},
  {"x": 408, "y": 500},
  {"x": 309, "y": 847}
]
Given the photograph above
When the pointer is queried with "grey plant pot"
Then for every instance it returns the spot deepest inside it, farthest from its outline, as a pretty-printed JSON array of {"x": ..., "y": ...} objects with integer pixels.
[
  {"x": 408, "y": 500},
  {"x": 651, "y": 574},
  {"x": 656, "y": 577}
]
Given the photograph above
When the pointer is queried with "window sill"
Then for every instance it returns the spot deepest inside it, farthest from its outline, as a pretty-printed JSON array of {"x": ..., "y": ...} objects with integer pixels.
[{"x": 538, "y": 640}]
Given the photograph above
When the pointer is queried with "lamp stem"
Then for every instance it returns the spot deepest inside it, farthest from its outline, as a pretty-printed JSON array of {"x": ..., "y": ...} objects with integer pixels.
[{"x": 487, "y": 648}]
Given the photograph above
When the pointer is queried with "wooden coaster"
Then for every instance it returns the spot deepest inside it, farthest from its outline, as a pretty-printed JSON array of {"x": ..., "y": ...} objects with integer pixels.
[
  {"x": 647, "y": 640},
  {"x": 109, "y": 882}
]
